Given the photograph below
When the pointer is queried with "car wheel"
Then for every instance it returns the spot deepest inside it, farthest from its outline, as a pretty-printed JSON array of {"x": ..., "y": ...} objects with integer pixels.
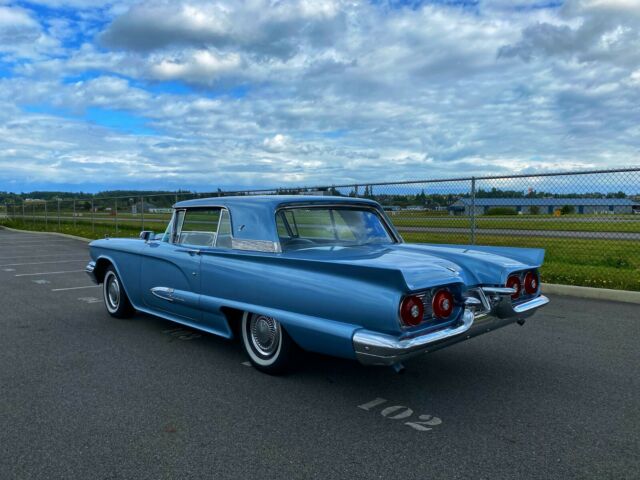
[
  {"x": 269, "y": 347},
  {"x": 115, "y": 298}
]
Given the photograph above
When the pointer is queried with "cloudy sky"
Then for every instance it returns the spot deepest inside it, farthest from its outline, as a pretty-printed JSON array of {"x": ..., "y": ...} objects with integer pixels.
[{"x": 98, "y": 94}]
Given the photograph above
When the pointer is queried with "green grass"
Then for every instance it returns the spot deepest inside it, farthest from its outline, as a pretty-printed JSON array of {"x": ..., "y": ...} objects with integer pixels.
[
  {"x": 588, "y": 262},
  {"x": 626, "y": 223}
]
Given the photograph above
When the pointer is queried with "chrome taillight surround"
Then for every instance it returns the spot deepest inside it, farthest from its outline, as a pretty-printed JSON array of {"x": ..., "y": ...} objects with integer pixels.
[{"x": 429, "y": 320}]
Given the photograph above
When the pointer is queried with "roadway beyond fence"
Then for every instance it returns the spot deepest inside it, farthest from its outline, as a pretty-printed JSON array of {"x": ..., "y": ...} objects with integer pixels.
[{"x": 588, "y": 222}]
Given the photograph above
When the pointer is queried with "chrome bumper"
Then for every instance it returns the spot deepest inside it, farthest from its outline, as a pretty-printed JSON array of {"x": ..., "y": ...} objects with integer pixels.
[
  {"x": 89, "y": 269},
  {"x": 373, "y": 348}
]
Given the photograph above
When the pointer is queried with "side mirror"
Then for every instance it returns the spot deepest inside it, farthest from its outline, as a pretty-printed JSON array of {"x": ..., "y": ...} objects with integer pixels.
[{"x": 146, "y": 235}]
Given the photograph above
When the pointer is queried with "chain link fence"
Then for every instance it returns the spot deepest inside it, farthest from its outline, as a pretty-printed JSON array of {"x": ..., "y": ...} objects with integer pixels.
[{"x": 588, "y": 222}]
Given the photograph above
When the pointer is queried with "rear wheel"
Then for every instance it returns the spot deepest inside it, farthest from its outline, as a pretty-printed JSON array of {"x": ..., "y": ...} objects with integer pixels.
[
  {"x": 269, "y": 347},
  {"x": 115, "y": 298}
]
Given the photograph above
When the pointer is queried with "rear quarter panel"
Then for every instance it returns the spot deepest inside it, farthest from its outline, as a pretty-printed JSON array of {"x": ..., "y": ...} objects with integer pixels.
[{"x": 319, "y": 306}]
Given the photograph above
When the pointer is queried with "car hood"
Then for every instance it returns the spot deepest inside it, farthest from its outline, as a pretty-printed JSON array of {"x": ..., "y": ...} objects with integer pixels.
[{"x": 425, "y": 266}]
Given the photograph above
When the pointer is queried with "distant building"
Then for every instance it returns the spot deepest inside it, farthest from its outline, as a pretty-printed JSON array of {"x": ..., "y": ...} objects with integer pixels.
[
  {"x": 317, "y": 193},
  {"x": 140, "y": 207},
  {"x": 546, "y": 205}
]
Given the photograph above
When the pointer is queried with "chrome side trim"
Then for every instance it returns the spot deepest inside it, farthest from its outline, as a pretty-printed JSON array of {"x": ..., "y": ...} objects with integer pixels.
[
  {"x": 374, "y": 348},
  {"x": 255, "y": 245},
  {"x": 166, "y": 293}
]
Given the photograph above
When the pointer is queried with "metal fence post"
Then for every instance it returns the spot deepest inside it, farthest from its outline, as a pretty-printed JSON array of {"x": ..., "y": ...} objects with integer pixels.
[
  {"x": 46, "y": 217},
  {"x": 142, "y": 211},
  {"x": 473, "y": 210},
  {"x": 23, "y": 211},
  {"x": 59, "y": 214},
  {"x": 74, "y": 213},
  {"x": 33, "y": 213},
  {"x": 93, "y": 225},
  {"x": 116, "y": 215}
]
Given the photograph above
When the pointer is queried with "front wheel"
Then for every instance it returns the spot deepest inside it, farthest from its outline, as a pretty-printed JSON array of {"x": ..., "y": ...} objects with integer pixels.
[
  {"x": 268, "y": 345},
  {"x": 115, "y": 298}
]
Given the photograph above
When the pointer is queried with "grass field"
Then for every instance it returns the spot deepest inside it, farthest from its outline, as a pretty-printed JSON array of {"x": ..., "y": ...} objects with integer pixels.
[
  {"x": 584, "y": 223},
  {"x": 602, "y": 263}
]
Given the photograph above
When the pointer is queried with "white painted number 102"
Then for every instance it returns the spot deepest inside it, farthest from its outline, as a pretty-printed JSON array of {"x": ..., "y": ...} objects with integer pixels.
[{"x": 400, "y": 412}]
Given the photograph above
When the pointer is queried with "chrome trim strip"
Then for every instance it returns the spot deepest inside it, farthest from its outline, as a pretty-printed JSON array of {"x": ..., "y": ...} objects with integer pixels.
[
  {"x": 374, "y": 348},
  {"x": 537, "y": 302},
  {"x": 499, "y": 290},
  {"x": 165, "y": 293},
  {"x": 255, "y": 245}
]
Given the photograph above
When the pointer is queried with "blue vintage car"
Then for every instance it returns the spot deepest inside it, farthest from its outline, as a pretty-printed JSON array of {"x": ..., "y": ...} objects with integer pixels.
[{"x": 323, "y": 274}]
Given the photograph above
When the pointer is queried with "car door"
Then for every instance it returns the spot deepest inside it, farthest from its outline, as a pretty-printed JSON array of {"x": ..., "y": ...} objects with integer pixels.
[{"x": 170, "y": 270}]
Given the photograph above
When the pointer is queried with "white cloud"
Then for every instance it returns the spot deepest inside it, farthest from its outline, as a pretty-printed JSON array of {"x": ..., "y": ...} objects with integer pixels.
[
  {"x": 265, "y": 93},
  {"x": 21, "y": 35},
  {"x": 200, "y": 66},
  {"x": 277, "y": 143}
]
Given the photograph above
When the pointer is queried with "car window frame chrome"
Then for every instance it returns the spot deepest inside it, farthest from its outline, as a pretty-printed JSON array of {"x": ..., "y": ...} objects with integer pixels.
[
  {"x": 246, "y": 245},
  {"x": 393, "y": 234},
  {"x": 185, "y": 210}
]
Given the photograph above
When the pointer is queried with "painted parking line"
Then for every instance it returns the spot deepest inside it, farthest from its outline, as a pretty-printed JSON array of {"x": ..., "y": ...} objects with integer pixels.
[
  {"x": 90, "y": 299},
  {"x": 36, "y": 245},
  {"x": 19, "y": 243},
  {"x": 74, "y": 288},
  {"x": 42, "y": 263},
  {"x": 47, "y": 273},
  {"x": 39, "y": 256}
]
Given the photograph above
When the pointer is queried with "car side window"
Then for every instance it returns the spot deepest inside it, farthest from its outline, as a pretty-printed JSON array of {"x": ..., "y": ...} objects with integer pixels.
[
  {"x": 199, "y": 227},
  {"x": 223, "y": 239}
]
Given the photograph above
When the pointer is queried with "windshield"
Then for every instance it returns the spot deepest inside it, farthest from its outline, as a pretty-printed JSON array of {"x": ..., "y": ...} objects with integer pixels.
[{"x": 330, "y": 226}]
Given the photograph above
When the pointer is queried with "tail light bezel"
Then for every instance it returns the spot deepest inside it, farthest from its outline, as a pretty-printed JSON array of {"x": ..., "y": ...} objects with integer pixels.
[
  {"x": 436, "y": 306},
  {"x": 530, "y": 289},
  {"x": 407, "y": 304},
  {"x": 513, "y": 280}
]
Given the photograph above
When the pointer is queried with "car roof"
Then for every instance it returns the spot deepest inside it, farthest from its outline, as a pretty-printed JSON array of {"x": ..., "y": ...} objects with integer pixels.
[
  {"x": 253, "y": 216},
  {"x": 274, "y": 201}
]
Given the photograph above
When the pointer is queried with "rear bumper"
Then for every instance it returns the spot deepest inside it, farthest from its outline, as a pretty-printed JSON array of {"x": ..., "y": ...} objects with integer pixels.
[
  {"x": 90, "y": 270},
  {"x": 373, "y": 348}
]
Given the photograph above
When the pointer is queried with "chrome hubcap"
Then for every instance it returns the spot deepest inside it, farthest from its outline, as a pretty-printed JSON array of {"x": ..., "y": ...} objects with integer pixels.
[
  {"x": 265, "y": 334},
  {"x": 113, "y": 292}
]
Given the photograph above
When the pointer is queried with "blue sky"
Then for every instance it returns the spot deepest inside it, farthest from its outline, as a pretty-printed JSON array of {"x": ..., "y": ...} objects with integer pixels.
[{"x": 205, "y": 94}]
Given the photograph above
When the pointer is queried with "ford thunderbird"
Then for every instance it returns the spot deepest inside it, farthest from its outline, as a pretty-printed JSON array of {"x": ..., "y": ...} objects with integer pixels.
[{"x": 323, "y": 274}]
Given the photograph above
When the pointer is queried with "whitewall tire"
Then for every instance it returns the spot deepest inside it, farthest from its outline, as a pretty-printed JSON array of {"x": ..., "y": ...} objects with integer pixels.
[
  {"x": 269, "y": 347},
  {"x": 114, "y": 296}
]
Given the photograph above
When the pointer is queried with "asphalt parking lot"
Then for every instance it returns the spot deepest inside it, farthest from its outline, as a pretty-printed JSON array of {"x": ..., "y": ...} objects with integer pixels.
[{"x": 83, "y": 395}]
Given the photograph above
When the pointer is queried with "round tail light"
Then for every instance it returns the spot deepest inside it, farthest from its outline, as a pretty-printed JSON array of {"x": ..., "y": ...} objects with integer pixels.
[
  {"x": 411, "y": 311},
  {"x": 514, "y": 282},
  {"x": 442, "y": 304},
  {"x": 531, "y": 283}
]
